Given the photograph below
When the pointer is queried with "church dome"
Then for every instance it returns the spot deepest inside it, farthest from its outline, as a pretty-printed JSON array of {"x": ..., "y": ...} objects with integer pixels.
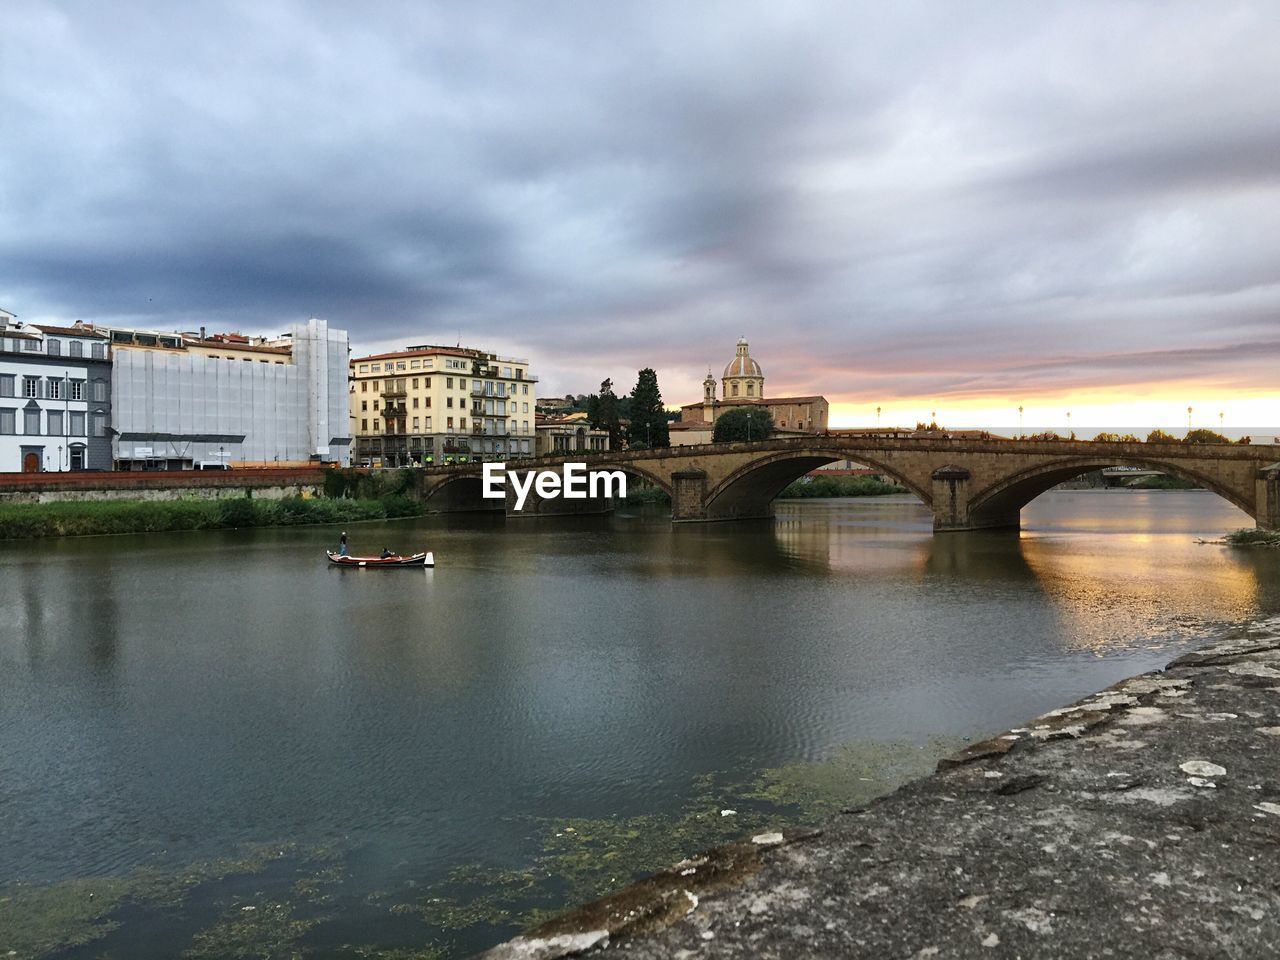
[{"x": 742, "y": 365}]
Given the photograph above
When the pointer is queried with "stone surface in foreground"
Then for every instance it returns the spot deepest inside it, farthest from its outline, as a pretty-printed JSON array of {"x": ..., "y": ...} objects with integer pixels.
[{"x": 1143, "y": 821}]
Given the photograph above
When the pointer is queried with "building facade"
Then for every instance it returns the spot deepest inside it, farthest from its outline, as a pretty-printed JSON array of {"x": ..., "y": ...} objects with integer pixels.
[
  {"x": 571, "y": 433},
  {"x": 55, "y": 398},
  {"x": 431, "y": 404},
  {"x": 191, "y": 400},
  {"x": 743, "y": 385}
]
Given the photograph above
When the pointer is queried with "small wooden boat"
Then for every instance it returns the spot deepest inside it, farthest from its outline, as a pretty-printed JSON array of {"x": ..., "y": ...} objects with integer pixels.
[{"x": 416, "y": 560}]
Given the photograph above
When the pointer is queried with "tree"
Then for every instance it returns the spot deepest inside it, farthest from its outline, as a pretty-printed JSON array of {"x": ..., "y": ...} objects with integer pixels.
[
  {"x": 602, "y": 411},
  {"x": 1204, "y": 436},
  {"x": 743, "y": 423},
  {"x": 646, "y": 413},
  {"x": 1159, "y": 436}
]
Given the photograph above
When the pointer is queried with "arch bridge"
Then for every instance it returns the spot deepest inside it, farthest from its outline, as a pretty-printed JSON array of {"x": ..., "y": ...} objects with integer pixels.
[{"x": 968, "y": 484}]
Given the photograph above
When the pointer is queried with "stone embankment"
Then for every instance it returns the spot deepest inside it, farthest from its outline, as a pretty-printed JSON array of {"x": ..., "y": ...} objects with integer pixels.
[{"x": 1143, "y": 821}]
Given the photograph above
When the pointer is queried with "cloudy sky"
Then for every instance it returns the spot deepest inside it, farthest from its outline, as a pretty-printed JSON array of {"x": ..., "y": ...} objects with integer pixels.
[{"x": 919, "y": 206}]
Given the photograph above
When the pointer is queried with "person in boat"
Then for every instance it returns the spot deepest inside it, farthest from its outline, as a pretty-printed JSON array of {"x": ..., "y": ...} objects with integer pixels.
[
  {"x": 387, "y": 554},
  {"x": 342, "y": 544}
]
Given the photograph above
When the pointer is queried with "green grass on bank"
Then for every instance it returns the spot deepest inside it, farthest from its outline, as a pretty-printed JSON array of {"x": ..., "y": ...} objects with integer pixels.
[
  {"x": 71, "y": 519},
  {"x": 863, "y": 485}
]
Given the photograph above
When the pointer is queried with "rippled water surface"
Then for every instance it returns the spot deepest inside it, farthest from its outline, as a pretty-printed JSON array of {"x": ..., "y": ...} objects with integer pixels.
[{"x": 378, "y": 740}]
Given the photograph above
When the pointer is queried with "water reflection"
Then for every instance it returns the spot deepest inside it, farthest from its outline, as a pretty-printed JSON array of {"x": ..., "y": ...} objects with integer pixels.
[{"x": 168, "y": 697}]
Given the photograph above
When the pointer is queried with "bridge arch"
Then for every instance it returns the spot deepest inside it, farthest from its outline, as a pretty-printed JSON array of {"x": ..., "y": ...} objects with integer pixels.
[
  {"x": 1000, "y": 503},
  {"x": 459, "y": 491},
  {"x": 750, "y": 490}
]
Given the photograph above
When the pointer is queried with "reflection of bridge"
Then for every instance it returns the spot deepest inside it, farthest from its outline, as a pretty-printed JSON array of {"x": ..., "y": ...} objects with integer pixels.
[{"x": 969, "y": 484}]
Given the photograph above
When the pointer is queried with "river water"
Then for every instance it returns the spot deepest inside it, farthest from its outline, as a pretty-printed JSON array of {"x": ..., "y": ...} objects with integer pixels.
[{"x": 213, "y": 743}]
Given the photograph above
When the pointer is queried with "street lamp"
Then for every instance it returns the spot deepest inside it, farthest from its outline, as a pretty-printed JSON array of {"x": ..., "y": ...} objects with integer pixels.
[
  {"x": 1188, "y": 419},
  {"x": 1069, "y": 433},
  {"x": 1020, "y": 433},
  {"x": 877, "y": 418}
]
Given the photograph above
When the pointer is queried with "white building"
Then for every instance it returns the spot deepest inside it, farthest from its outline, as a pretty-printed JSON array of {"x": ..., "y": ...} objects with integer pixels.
[
  {"x": 182, "y": 400},
  {"x": 55, "y": 398}
]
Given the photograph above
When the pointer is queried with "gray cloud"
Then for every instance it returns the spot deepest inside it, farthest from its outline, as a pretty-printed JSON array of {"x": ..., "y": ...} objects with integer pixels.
[{"x": 888, "y": 200}]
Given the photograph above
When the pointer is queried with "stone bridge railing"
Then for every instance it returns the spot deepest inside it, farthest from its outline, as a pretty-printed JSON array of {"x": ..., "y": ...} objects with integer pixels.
[{"x": 968, "y": 483}]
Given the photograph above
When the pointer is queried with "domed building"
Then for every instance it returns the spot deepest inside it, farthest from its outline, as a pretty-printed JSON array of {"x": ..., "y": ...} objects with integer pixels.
[
  {"x": 743, "y": 385},
  {"x": 743, "y": 376}
]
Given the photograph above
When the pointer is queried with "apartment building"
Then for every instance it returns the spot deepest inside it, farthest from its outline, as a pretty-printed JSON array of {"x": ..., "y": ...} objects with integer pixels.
[
  {"x": 55, "y": 398},
  {"x": 432, "y": 404}
]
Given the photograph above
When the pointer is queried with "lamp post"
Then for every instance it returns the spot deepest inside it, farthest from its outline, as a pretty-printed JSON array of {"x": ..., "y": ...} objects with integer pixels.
[
  {"x": 1020, "y": 432},
  {"x": 1069, "y": 433},
  {"x": 1188, "y": 419},
  {"x": 877, "y": 418}
]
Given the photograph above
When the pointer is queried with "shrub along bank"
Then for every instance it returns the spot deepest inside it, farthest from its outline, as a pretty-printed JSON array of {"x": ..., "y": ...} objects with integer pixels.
[
  {"x": 69, "y": 519},
  {"x": 863, "y": 485}
]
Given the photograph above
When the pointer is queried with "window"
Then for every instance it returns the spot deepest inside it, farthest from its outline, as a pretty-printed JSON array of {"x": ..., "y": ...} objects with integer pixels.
[
  {"x": 364, "y": 386},
  {"x": 77, "y": 348},
  {"x": 451, "y": 423},
  {"x": 54, "y": 389},
  {"x": 428, "y": 423},
  {"x": 364, "y": 405},
  {"x": 99, "y": 424},
  {"x": 375, "y": 404},
  {"x": 31, "y": 346},
  {"x": 388, "y": 365},
  {"x": 524, "y": 408},
  {"x": 415, "y": 364},
  {"x": 8, "y": 422},
  {"x": 428, "y": 403},
  {"x": 399, "y": 364},
  {"x": 30, "y": 422},
  {"x": 735, "y": 389},
  {"x": 77, "y": 424},
  {"x": 364, "y": 368},
  {"x": 30, "y": 386},
  {"x": 462, "y": 423},
  {"x": 6, "y": 384},
  {"x": 415, "y": 403},
  {"x": 799, "y": 424},
  {"x": 415, "y": 383},
  {"x": 415, "y": 425},
  {"x": 448, "y": 401},
  {"x": 77, "y": 389},
  {"x": 751, "y": 389},
  {"x": 448, "y": 382},
  {"x": 506, "y": 372},
  {"x": 364, "y": 426},
  {"x": 53, "y": 348},
  {"x": 53, "y": 420},
  {"x": 524, "y": 388},
  {"x": 375, "y": 385},
  {"x": 99, "y": 351}
]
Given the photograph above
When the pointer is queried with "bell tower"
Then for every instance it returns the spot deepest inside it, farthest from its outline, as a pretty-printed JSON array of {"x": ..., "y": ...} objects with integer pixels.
[{"x": 709, "y": 398}]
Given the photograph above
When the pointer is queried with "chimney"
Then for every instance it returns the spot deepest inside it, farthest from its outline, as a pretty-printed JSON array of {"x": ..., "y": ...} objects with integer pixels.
[{"x": 202, "y": 333}]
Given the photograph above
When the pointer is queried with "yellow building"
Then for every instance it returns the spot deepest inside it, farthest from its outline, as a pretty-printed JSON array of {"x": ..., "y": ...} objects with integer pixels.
[
  {"x": 742, "y": 385},
  {"x": 432, "y": 404}
]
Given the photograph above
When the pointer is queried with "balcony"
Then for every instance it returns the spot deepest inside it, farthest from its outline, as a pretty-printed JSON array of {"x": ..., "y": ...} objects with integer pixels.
[{"x": 394, "y": 410}]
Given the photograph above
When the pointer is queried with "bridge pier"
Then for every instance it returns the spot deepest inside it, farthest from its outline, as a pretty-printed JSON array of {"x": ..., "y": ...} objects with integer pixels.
[
  {"x": 688, "y": 496},
  {"x": 1268, "y": 513}
]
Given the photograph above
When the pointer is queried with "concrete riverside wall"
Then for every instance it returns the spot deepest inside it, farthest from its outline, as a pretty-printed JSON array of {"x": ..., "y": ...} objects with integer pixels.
[
  {"x": 1140, "y": 822},
  {"x": 270, "y": 484}
]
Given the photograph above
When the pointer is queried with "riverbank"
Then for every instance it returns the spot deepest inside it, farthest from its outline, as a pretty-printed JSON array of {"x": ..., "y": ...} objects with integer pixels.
[
  {"x": 859, "y": 486},
  {"x": 1142, "y": 821},
  {"x": 86, "y": 518}
]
